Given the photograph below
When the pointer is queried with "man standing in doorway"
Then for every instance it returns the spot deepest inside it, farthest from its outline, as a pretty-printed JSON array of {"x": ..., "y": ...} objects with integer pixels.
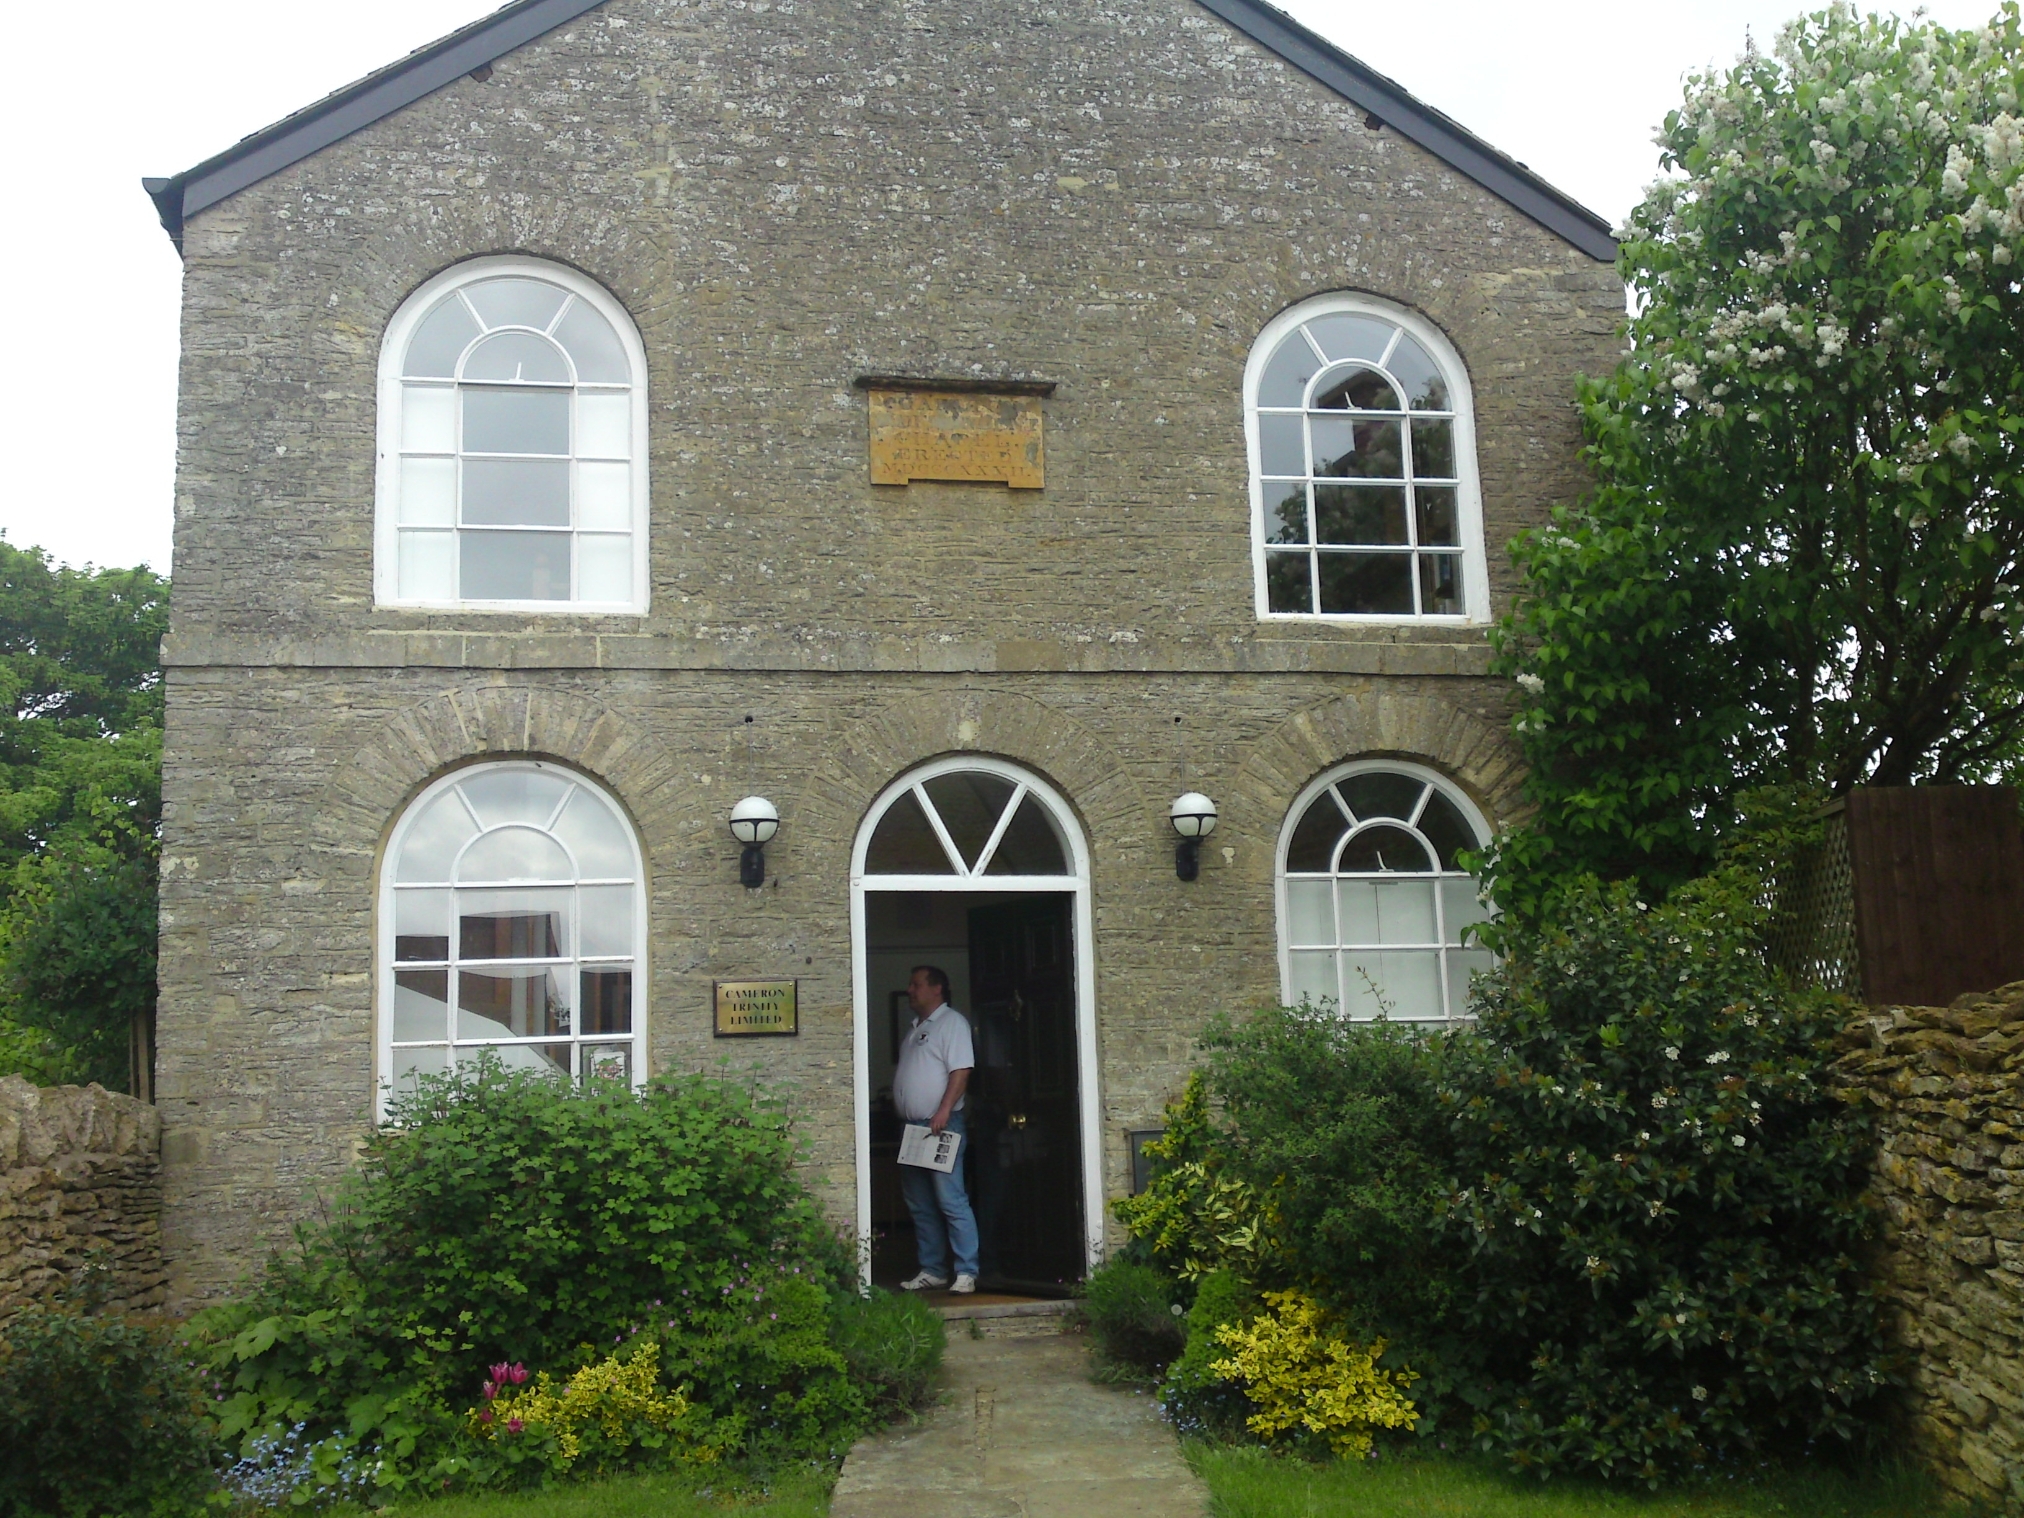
[{"x": 935, "y": 1064}]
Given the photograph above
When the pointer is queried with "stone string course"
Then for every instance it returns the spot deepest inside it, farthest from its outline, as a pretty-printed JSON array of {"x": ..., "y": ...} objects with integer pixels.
[
  {"x": 80, "y": 1187},
  {"x": 1950, "y": 1174}
]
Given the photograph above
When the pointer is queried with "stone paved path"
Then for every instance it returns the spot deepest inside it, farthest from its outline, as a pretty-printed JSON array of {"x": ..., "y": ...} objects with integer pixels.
[{"x": 1022, "y": 1432}]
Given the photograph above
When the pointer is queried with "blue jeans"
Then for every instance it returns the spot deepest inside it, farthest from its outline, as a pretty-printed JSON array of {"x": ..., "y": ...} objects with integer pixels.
[{"x": 942, "y": 1216}]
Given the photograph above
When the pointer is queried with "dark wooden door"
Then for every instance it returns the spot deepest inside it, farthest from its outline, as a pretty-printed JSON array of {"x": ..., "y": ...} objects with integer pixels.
[{"x": 1025, "y": 1121}]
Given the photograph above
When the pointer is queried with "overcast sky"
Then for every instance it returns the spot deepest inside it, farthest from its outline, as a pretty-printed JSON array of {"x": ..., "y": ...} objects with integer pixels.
[{"x": 94, "y": 101}]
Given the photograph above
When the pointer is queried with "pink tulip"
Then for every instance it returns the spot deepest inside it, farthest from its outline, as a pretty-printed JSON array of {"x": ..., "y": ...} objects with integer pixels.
[
  {"x": 484, "y": 1415},
  {"x": 490, "y": 1390},
  {"x": 514, "y": 1425},
  {"x": 516, "y": 1373},
  {"x": 499, "y": 1371}
]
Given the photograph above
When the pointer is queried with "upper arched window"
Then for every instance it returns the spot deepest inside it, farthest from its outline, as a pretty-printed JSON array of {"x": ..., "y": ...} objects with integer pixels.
[
  {"x": 512, "y": 914},
  {"x": 1363, "y": 467},
  {"x": 974, "y": 819},
  {"x": 1374, "y": 903},
  {"x": 512, "y": 444}
]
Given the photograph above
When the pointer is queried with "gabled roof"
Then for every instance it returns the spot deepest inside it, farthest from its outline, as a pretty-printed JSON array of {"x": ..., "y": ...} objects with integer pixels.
[{"x": 490, "y": 38}]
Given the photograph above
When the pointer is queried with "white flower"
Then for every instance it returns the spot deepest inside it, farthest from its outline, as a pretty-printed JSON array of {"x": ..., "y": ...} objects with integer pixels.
[
  {"x": 1657, "y": 1208},
  {"x": 1672, "y": 1051},
  {"x": 1960, "y": 445},
  {"x": 1719, "y": 1057},
  {"x": 1658, "y": 1100},
  {"x": 1700, "y": 1394},
  {"x": 1531, "y": 684},
  {"x": 1739, "y": 1141}
]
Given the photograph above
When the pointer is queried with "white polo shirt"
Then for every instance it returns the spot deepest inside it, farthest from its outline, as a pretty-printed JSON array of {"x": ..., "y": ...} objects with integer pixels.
[{"x": 933, "y": 1047}]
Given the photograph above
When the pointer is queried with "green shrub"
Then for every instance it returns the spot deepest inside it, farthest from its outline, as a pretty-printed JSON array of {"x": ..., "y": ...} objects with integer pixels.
[
  {"x": 1198, "y": 1398},
  {"x": 100, "y": 1413},
  {"x": 893, "y": 1344},
  {"x": 1660, "y": 1197},
  {"x": 1134, "y": 1315},
  {"x": 1198, "y": 1214},
  {"x": 503, "y": 1216}
]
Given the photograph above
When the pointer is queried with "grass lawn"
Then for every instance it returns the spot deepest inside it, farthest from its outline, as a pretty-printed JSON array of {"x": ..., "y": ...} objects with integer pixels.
[
  {"x": 798, "y": 1492},
  {"x": 1247, "y": 1483}
]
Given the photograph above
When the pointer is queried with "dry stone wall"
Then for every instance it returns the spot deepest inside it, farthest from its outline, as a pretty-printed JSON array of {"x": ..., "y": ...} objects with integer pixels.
[
  {"x": 1950, "y": 1173},
  {"x": 80, "y": 1188}
]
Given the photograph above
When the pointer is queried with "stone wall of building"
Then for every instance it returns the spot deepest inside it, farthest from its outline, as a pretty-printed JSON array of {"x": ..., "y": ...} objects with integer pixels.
[
  {"x": 1945, "y": 1084},
  {"x": 80, "y": 1190}
]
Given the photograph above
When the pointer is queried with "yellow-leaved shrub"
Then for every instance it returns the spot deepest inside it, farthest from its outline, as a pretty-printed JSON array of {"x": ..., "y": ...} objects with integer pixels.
[
  {"x": 612, "y": 1410},
  {"x": 1304, "y": 1376}
]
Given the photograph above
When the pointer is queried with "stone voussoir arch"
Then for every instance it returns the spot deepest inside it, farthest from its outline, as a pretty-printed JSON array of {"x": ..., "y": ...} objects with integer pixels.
[
  {"x": 877, "y": 749},
  {"x": 493, "y": 720},
  {"x": 1477, "y": 755}
]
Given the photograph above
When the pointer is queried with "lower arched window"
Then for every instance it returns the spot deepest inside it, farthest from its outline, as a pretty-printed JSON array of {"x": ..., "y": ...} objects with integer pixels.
[
  {"x": 1374, "y": 904},
  {"x": 512, "y": 916}
]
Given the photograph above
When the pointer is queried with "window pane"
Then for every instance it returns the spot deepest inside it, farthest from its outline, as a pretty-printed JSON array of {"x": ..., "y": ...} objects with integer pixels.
[
  {"x": 601, "y": 843},
  {"x": 969, "y": 804},
  {"x": 428, "y": 419},
  {"x": 1342, "y": 337},
  {"x": 409, "y": 1063},
  {"x": 512, "y": 924},
  {"x": 433, "y": 839},
  {"x": 1031, "y": 846},
  {"x": 1405, "y": 911},
  {"x": 1385, "y": 850},
  {"x": 604, "y": 497},
  {"x": 605, "y": 919},
  {"x": 515, "y": 421},
  {"x": 604, "y": 567},
  {"x": 1311, "y": 978},
  {"x": 1359, "y": 513},
  {"x": 1367, "y": 582},
  {"x": 1433, "y": 449},
  {"x": 1382, "y": 793},
  {"x": 514, "y": 566},
  {"x": 542, "y": 1059},
  {"x": 516, "y": 492},
  {"x": 440, "y": 339},
  {"x": 1287, "y": 584},
  {"x": 428, "y": 566},
  {"x": 904, "y": 843},
  {"x": 607, "y": 1062},
  {"x": 1460, "y": 907},
  {"x": 1410, "y": 982},
  {"x": 600, "y": 357},
  {"x": 607, "y": 1001},
  {"x": 1447, "y": 830},
  {"x": 515, "y": 794},
  {"x": 422, "y": 925},
  {"x": 603, "y": 425},
  {"x": 1284, "y": 382},
  {"x": 428, "y": 492},
  {"x": 1462, "y": 965},
  {"x": 1357, "y": 450},
  {"x": 1280, "y": 450},
  {"x": 1441, "y": 584},
  {"x": 523, "y": 1004},
  {"x": 1425, "y": 389},
  {"x": 514, "y": 854},
  {"x": 1310, "y": 916},
  {"x": 1435, "y": 505},
  {"x": 1356, "y": 390},
  {"x": 516, "y": 302},
  {"x": 1363, "y": 986},
  {"x": 519, "y": 356},
  {"x": 1285, "y": 511},
  {"x": 421, "y": 1005},
  {"x": 1312, "y": 847}
]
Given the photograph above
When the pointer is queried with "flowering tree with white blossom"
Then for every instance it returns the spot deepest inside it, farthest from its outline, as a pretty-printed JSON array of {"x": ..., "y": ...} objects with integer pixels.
[{"x": 1803, "y": 563}]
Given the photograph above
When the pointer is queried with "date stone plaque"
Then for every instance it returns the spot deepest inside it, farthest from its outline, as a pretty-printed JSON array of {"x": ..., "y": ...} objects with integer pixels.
[{"x": 920, "y": 432}]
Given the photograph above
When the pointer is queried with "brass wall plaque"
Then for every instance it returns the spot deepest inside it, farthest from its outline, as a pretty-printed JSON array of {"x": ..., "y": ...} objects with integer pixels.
[
  {"x": 920, "y": 434},
  {"x": 758, "y": 1008}
]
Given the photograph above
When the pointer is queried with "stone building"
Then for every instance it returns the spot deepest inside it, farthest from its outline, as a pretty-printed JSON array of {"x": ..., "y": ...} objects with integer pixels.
[{"x": 968, "y": 429}]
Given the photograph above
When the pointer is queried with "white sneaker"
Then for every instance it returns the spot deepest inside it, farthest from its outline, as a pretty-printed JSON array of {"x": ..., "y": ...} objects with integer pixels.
[
  {"x": 927, "y": 1282},
  {"x": 964, "y": 1285}
]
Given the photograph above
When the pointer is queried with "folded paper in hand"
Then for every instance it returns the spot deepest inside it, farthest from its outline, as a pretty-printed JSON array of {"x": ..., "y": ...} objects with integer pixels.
[{"x": 930, "y": 1151}]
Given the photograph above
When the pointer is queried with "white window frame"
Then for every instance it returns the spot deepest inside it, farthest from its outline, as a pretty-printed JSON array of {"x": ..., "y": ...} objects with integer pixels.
[
  {"x": 1471, "y": 814},
  {"x": 386, "y": 966},
  {"x": 387, "y": 483},
  {"x": 1468, "y": 490}
]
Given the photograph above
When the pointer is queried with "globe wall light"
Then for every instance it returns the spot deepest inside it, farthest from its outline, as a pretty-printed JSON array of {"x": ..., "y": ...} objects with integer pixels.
[
  {"x": 1194, "y": 818},
  {"x": 754, "y": 821}
]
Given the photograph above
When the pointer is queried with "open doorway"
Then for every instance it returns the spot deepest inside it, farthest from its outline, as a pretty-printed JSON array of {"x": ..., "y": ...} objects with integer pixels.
[{"x": 975, "y": 867}]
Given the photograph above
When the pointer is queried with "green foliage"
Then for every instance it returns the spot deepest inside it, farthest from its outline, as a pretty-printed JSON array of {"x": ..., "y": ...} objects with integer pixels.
[
  {"x": 892, "y": 1341},
  {"x": 99, "y": 1413},
  {"x": 1134, "y": 1315},
  {"x": 504, "y": 1216},
  {"x": 1662, "y": 1196},
  {"x": 1803, "y": 563},
  {"x": 1197, "y": 1215},
  {"x": 77, "y": 958},
  {"x": 1196, "y": 1396}
]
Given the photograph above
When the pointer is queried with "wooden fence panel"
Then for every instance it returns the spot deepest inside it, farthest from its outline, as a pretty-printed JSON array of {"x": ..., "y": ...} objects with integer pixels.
[{"x": 1939, "y": 891}]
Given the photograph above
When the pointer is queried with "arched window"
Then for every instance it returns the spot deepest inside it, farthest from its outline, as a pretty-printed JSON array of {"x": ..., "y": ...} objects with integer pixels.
[
  {"x": 968, "y": 819},
  {"x": 512, "y": 444},
  {"x": 1374, "y": 905},
  {"x": 512, "y": 917},
  {"x": 1364, "y": 500}
]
